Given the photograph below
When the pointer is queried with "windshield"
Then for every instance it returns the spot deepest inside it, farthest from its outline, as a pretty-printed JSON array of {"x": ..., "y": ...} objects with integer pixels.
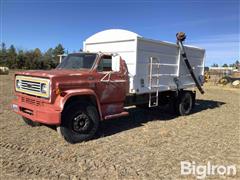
[{"x": 77, "y": 61}]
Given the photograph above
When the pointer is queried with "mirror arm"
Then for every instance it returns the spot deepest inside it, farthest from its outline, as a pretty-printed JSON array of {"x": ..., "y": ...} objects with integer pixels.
[{"x": 105, "y": 76}]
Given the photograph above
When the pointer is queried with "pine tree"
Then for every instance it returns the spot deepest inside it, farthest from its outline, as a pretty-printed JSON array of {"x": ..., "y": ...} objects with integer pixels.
[
  {"x": 32, "y": 59},
  {"x": 29, "y": 60},
  {"x": 12, "y": 57},
  {"x": 215, "y": 65},
  {"x": 48, "y": 60},
  {"x": 3, "y": 55},
  {"x": 59, "y": 49},
  {"x": 237, "y": 63},
  {"x": 21, "y": 59},
  {"x": 37, "y": 58}
]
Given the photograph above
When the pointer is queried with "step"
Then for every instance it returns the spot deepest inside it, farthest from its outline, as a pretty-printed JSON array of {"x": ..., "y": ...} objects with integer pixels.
[
  {"x": 153, "y": 105},
  {"x": 124, "y": 113}
]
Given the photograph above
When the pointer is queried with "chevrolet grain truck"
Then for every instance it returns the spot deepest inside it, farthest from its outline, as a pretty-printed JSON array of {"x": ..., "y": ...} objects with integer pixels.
[{"x": 117, "y": 68}]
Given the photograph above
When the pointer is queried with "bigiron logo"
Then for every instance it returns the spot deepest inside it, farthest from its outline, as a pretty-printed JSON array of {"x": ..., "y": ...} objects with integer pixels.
[{"x": 202, "y": 171}]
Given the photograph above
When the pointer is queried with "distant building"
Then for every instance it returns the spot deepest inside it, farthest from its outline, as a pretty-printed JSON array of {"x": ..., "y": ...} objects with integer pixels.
[{"x": 221, "y": 70}]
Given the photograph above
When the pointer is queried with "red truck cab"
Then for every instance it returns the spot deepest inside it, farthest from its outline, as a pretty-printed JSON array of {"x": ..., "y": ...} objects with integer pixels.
[{"x": 84, "y": 89}]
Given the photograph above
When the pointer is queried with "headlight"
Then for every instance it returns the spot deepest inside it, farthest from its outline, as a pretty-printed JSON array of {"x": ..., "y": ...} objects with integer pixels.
[
  {"x": 18, "y": 84},
  {"x": 43, "y": 88}
]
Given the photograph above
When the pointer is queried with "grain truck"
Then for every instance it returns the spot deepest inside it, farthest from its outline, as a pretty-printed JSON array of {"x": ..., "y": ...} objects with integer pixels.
[{"x": 117, "y": 68}]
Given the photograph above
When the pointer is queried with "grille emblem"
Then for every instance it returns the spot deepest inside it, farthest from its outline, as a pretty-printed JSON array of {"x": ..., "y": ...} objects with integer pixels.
[{"x": 29, "y": 85}]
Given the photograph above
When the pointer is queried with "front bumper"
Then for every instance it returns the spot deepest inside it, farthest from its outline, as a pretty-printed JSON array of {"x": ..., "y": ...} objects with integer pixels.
[{"x": 36, "y": 110}]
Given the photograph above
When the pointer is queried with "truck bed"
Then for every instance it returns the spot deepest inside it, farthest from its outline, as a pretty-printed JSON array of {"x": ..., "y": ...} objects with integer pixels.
[{"x": 153, "y": 65}]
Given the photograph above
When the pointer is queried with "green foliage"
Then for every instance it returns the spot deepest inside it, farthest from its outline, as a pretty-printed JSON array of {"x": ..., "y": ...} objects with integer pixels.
[
  {"x": 21, "y": 59},
  {"x": 57, "y": 51},
  {"x": 215, "y": 65},
  {"x": 3, "y": 54},
  {"x": 32, "y": 59},
  {"x": 235, "y": 65},
  {"x": 48, "y": 61},
  {"x": 12, "y": 57}
]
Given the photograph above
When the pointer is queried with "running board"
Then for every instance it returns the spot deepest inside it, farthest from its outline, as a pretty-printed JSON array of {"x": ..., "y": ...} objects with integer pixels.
[{"x": 112, "y": 116}]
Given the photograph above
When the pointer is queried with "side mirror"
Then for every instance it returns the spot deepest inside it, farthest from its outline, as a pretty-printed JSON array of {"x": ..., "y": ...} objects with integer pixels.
[{"x": 116, "y": 63}]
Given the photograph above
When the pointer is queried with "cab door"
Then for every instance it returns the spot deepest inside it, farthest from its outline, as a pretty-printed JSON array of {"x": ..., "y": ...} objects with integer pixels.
[{"x": 111, "y": 85}]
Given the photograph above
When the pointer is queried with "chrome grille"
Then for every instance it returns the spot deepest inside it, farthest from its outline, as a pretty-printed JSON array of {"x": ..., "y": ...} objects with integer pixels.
[
  {"x": 30, "y": 86},
  {"x": 33, "y": 85}
]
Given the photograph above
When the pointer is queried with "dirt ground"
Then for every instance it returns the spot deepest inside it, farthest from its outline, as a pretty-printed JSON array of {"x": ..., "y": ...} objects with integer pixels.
[{"x": 149, "y": 144}]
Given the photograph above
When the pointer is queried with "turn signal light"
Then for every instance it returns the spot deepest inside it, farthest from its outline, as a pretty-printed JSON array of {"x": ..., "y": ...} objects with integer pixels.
[{"x": 58, "y": 91}]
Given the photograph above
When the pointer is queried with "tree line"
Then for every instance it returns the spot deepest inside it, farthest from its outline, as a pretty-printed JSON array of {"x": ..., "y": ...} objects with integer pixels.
[
  {"x": 235, "y": 65},
  {"x": 30, "y": 59},
  {"x": 35, "y": 59}
]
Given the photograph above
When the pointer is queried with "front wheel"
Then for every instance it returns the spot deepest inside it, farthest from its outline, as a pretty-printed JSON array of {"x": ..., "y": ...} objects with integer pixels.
[{"x": 79, "y": 123}]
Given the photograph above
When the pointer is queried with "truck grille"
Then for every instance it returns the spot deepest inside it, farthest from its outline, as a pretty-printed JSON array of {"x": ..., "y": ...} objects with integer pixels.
[{"x": 31, "y": 86}]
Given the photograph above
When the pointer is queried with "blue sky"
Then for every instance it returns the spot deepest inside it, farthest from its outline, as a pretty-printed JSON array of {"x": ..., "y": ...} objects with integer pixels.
[{"x": 212, "y": 24}]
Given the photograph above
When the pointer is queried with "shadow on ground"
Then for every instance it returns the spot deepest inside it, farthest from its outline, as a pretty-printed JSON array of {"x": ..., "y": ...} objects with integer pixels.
[{"x": 138, "y": 116}]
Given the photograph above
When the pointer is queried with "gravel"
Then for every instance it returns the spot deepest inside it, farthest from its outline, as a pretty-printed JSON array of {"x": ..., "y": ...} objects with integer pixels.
[{"x": 149, "y": 144}]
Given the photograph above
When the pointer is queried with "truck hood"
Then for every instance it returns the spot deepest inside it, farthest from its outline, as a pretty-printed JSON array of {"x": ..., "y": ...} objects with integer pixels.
[
  {"x": 53, "y": 73},
  {"x": 64, "y": 79}
]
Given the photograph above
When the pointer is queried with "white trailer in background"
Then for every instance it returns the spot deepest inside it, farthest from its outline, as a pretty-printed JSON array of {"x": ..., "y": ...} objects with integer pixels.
[{"x": 153, "y": 65}]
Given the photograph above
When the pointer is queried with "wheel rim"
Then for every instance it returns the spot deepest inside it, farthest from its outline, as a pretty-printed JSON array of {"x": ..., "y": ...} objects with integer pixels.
[{"x": 81, "y": 123}]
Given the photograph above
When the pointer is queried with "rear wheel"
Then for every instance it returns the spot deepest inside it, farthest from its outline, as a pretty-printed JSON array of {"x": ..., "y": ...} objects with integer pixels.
[
  {"x": 185, "y": 103},
  {"x": 30, "y": 122},
  {"x": 79, "y": 122}
]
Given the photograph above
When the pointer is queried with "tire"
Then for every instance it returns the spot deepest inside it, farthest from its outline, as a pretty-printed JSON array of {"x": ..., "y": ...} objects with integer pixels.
[
  {"x": 185, "y": 103},
  {"x": 80, "y": 123},
  {"x": 30, "y": 122}
]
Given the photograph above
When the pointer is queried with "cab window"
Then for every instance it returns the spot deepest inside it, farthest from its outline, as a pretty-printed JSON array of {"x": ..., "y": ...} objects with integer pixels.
[{"x": 105, "y": 64}]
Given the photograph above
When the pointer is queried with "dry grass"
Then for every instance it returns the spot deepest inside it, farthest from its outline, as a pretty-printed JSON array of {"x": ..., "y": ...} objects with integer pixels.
[{"x": 149, "y": 144}]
